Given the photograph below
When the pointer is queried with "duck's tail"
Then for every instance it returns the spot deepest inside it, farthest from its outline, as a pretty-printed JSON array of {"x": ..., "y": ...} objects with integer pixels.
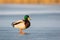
[{"x": 12, "y": 24}]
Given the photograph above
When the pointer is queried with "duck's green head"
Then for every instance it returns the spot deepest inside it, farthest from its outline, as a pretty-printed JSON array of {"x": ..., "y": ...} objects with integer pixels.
[{"x": 26, "y": 17}]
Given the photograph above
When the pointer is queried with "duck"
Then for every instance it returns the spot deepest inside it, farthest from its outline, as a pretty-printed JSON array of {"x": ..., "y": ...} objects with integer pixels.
[{"x": 22, "y": 24}]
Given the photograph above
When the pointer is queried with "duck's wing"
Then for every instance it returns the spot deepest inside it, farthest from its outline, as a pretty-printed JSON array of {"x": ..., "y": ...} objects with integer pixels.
[{"x": 17, "y": 22}]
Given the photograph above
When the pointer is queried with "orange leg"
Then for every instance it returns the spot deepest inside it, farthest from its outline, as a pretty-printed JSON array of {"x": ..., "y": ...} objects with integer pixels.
[{"x": 21, "y": 31}]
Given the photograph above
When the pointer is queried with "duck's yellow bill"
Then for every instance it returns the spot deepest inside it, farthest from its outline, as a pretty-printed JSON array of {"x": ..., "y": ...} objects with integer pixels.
[{"x": 29, "y": 18}]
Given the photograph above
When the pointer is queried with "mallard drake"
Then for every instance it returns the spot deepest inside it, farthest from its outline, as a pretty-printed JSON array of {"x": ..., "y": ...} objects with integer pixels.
[{"x": 22, "y": 24}]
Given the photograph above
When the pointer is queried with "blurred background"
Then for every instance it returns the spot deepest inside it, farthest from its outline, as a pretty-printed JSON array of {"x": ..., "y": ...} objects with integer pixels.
[
  {"x": 29, "y": 6},
  {"x": 45, "y": 23},
  {"x": 29, "y": 1}
]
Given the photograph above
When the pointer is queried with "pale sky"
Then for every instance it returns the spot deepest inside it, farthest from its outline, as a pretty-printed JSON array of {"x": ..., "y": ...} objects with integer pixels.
[{"x": 28, "y": 9}]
